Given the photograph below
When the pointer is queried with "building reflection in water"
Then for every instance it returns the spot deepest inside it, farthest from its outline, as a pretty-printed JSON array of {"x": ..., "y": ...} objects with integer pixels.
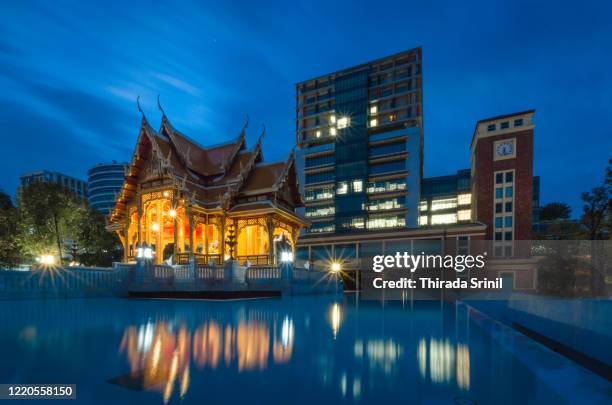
[
  {"x": 382, "y": 355},
  {"x": 160, "y": 355},
  {"x": 445, "y": 361}
]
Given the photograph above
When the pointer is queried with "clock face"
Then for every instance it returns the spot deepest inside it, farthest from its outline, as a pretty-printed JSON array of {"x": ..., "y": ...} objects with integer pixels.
[{"x": 505, "y": 148}]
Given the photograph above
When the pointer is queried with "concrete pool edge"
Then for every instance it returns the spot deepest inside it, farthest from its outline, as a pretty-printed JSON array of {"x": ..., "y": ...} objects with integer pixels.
[{"x": 568, "y": 379}]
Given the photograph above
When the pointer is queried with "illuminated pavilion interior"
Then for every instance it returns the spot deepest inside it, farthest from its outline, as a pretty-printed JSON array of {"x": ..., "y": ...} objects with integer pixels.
[{"x": 184, "y": 200}]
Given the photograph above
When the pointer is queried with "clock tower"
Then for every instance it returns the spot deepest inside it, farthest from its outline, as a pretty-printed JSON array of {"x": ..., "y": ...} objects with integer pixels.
[{"x": 502, "y": 177}]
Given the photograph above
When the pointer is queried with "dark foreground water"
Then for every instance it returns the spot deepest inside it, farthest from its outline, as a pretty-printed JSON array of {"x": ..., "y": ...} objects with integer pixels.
[{"x": 310, "y": 350}]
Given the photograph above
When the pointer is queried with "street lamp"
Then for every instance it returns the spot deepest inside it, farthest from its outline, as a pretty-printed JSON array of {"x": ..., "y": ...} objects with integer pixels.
[
  {"x": 336, "y": 267},
  {"x": 286, "y": 257},
  {"x": 47, "y": 260}
]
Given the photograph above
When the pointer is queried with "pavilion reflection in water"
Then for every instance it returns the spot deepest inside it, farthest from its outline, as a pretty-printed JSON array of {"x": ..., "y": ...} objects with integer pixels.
[{"x": 160, "y": 354}]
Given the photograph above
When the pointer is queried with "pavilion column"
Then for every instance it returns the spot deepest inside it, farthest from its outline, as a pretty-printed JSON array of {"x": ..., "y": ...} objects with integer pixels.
[
  {"x": 270, "y": 228},
  {"x": 235, "y": 225},
  {"x": 191, "y": 230},
  {"x": 139, "y": 219},
  {"x": 206, "y": 236},
  {"x": 138, "y": 214},
  {"x": 126, "y": 244},
  {"x": 160, "y": 237},
  {"x": 222, "y": 238},
  {"x": 174, "y": 229}
]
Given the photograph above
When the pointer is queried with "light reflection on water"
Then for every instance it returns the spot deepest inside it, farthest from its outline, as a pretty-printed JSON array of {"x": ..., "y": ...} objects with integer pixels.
[
  {"x": 445, "y": 359},
  {"x": 311, "y": 349},
  {"x": 160, "y": 353}
]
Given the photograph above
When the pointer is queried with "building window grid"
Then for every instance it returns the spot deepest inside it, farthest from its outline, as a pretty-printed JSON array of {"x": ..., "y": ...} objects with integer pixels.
[
  {"x": 386, "y": 186},
  {"x": 503, "y": 215}
]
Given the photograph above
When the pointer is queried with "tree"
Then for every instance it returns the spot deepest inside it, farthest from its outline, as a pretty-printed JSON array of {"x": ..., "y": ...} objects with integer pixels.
[
  {"x": 560, "y": 229},
  {"x": 10, "y": 252},
  {"x": 557, "y": 269},
  {"x": 96, "y": 246},
  {"x": 596, "y": 219},
  {"x": 597, "y": 209},
  {"x": 554, "y": 211},
  {"x": 47, "y": 217}
]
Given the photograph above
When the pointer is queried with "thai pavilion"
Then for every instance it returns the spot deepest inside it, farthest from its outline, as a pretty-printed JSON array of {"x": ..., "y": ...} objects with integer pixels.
[{"x": 181, "y": 200}]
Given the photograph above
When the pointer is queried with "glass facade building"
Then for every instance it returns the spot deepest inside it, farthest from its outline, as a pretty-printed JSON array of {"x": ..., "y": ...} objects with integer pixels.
[
  {"x": 360, "y": 146},
  {"x": 104, "y": 183}
]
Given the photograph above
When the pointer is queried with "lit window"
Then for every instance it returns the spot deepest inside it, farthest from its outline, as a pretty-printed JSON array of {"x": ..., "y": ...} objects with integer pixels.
[
  {"x": 344, "y": 122},
  {"x": 423, "y": 220},
  {"x": 357, "y": 186},
  {"x": 423, "y": 206},
  {"x": 373, "y": 109},
  {"x": 437, "y": 205},
  {"x": 386, "y": 222},
  {"x": 443, "y": 219},
  {"x": 392, "y": 117},
  {"x": 332, "y": 131},
  {"x": 464, "y": 199},
  {"x": 358, "y": 223},
  {"x": 464, "y": 215},
  {"x": 373, "y": 122},
  {"x": 332, "y": 119},
  {"x": 318, "y": 133},
  {"x": 342, "y": 188}
]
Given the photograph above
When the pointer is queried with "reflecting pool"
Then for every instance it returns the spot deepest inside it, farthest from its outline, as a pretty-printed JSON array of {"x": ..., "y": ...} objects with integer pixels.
[{"x": 297, "y": 350}]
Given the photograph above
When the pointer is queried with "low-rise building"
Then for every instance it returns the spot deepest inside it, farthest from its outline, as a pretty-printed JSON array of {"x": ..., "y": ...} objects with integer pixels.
[{"x": 77, "y": 186}]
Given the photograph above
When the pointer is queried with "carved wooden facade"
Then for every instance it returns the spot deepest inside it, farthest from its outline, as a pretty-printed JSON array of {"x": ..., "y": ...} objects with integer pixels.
[{"x": 179, "y": 199}]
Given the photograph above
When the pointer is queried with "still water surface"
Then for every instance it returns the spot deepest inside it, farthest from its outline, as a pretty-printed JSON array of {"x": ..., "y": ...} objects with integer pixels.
[{"x": 310, "y": 350}]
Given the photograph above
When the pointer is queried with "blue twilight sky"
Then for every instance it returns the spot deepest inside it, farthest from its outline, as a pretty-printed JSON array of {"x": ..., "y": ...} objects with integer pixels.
[{"x": 70, "y": 73}]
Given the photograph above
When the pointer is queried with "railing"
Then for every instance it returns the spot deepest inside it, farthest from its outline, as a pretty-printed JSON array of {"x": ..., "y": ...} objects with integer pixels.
[
  {"x": 163, "y": 271},
  {"x": 183, "y": 258},
  {"x": 255, "y": 260},
  {"x": 263, "y": 273},
  {"x": 183, "y": 272},
  {"x": 209, "y": 273},
  {"x": 59, "y": 282}
]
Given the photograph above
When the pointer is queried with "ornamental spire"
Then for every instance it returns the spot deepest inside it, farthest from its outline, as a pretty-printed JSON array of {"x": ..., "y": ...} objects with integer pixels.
[
  {"x": 160, "y": 107},
  {"x": 144, "y": 117}
]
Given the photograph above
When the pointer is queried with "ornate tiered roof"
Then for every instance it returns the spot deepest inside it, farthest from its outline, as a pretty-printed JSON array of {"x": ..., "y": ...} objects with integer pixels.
[{"x": 220, "y": 177}]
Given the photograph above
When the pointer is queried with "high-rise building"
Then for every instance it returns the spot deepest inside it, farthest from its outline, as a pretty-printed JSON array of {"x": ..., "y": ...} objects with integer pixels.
[
  {"x": 104, "y": 184},
  {"x": 360, "y": 146},
  {"x": 78, "y": 187},
  {"x": 502, "y": 177}
]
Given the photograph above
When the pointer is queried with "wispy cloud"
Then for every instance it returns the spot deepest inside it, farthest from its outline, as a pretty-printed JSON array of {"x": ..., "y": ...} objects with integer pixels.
[{"x": 177, "y": 83}]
